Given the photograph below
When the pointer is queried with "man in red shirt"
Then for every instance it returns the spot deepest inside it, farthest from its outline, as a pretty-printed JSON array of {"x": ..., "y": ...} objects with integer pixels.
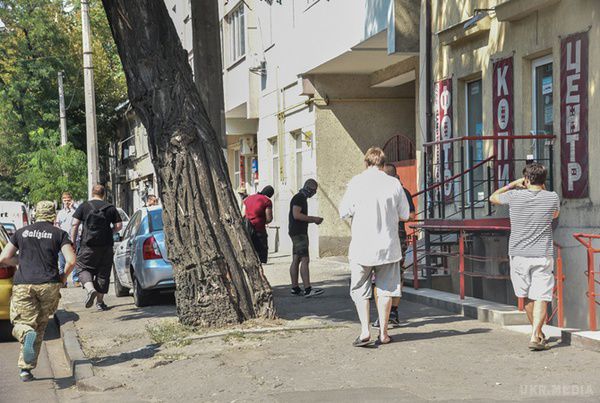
[{"x": 258, "y": 209}]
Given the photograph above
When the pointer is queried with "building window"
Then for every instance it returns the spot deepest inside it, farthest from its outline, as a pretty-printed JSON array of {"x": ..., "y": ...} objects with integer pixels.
[
  {"x": 542, "y": 97},
  {"x": 236, "y": 24},
  {"x": 236, "y": 169},
  {"x": 298, "y": 156},
  {"x": 275, "y": 171},
  {"x": 475, "y": 128}
]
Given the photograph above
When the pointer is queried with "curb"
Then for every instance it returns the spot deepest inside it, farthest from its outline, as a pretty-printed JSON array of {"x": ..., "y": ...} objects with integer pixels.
[{"x": 81, "y": 366}]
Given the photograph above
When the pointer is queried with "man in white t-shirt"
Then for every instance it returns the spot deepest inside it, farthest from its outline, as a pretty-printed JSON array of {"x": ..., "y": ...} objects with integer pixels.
[{"x": 376, "y": 203}]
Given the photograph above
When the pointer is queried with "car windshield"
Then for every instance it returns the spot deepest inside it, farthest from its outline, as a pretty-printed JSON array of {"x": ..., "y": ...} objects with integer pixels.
[
  {"x": 123, "y": 215},
  {"x": 156, "y": 221}
]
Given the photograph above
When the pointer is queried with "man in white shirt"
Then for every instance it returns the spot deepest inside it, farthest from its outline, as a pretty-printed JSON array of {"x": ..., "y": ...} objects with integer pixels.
[
  {"x": 64, "y": 221},
  {"x": 376, "y": 203}
]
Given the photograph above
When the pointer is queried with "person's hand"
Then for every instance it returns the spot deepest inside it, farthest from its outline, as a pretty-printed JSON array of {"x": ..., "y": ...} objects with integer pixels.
[
  {"x": 318, "y": 220},
  {"x": 518, "y": 184},
  {"x": 64, "y": 278}
]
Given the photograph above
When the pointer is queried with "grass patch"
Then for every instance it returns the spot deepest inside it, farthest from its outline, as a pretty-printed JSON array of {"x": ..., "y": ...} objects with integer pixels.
[
  {"x": 234, "y": 336},
  {"x": 169, "y": 331}
]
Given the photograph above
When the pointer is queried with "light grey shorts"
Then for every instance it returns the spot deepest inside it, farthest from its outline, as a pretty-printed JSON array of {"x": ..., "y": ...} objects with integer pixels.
[
  {"x": 532, "y": 277},
  {"x": 387, "y": 280}
]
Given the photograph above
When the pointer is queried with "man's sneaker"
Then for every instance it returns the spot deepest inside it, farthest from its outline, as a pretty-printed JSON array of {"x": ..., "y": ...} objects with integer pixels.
[
  {"x": 26, "y": 375},
  {"x": 89, "y": 298},
  {"x": 297, "y": 291},
  {"x": 394, "y": 320},
  {"x": 376, "y": 323},
  {"x": 29, "y": 347},
  {"x": 101, "y": 306},
  {"x": 311, "y": 292}
]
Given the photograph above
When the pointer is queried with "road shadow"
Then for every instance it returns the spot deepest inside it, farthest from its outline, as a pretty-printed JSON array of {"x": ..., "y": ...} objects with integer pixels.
[
  {"x": 163, "y": 306},
  {"x": 146, "y": 352},
  {"x": 66, "y": 316},
  {"x": 436, "y": 334}
]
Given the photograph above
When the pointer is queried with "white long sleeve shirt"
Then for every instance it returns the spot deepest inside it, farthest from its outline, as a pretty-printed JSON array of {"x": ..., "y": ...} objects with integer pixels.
[{"x": 376, "y": 203}]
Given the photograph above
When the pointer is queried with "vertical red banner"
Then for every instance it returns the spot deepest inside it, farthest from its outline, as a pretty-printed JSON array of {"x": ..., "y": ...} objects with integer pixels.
[
  {"x": 444, "y": 131},
  {"x": 502, "y": 103},
  {"x": 574, "y": 115}
]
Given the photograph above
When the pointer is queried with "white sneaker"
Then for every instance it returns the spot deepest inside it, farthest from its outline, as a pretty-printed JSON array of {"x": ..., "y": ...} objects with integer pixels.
[{"x": 313, "y": 292}]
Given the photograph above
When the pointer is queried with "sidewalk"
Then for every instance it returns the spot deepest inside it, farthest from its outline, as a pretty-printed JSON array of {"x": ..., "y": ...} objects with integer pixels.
[{"x": 436, "y": 355}]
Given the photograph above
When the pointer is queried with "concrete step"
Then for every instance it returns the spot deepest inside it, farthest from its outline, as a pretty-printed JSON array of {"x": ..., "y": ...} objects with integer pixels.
[{"x": 485, "y": 311}]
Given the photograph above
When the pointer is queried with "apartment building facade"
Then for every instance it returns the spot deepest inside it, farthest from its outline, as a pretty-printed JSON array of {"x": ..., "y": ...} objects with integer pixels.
[{"x": 309, "y": 87}]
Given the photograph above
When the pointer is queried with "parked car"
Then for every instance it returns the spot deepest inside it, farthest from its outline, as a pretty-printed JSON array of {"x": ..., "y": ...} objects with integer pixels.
[
  {"x": 15, "y": 213},
  {"x": 10, "y": 228},
  {"x": 6, "y": 283},
  {"x": 140, "y": 260}
]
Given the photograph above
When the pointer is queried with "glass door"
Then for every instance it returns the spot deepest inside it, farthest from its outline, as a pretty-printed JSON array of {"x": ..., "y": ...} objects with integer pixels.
[
  {"x": 542, "y": 105},
  {"x": 476, "y": 183}
]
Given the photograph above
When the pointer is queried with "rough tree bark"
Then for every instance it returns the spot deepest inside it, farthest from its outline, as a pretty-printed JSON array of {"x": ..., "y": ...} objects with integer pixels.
[{"x": 219, "y": 277}]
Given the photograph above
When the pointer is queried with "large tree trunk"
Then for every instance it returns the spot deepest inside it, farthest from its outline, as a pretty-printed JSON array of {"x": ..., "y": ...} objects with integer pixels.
[{"x": 218, "y": 275}]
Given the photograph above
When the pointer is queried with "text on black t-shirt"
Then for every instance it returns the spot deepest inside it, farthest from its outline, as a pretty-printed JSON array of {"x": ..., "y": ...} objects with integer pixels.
[{"x": 38, "y": 246}]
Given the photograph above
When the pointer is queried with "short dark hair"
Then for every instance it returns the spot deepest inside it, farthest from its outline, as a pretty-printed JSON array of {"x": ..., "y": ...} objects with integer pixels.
[
  {"x": 390, "y": 169},
  {"x": 98, "y": 190},
  {"x": 268, "y": 191},
  {"x": 536, "y": 173},
  {"x": 66, "y": 194}
]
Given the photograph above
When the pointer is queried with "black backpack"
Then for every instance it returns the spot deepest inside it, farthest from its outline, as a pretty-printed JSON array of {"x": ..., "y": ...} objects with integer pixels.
[{"x": 97, "y": 227}]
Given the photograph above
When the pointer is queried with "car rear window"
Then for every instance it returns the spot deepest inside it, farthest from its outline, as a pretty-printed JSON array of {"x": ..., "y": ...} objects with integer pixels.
[{"x": 156, "y": 221}]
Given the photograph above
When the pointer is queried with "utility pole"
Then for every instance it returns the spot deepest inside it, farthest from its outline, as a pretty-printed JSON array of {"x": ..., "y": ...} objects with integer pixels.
[
  {"x": 63, "y": 113},
  {"x": 90, "y": 99}
]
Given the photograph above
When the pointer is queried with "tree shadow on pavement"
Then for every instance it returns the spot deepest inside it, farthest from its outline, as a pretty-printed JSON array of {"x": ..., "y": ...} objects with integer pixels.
[{"x": 143, "y": 353}]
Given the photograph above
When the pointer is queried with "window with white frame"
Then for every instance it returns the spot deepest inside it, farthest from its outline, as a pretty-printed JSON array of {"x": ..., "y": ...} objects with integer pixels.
[
  {"x": 236, "y": 28},
  {"x": 275, "y": 167},
  {"x": 236, "y": 169},
  {"x": 299, "y": 148}
]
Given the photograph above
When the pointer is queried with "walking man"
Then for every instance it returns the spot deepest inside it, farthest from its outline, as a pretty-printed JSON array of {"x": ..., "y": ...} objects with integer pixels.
[
  {"x": 64, "y": 221},
  {"x": 258, "y": 209},
  {"x": 298, "y": 231},
  {"x": 531, "y": 245},
  {"x": 376, "y": 203},
  {"x": 390, "y": 170},
  {"x": 37, "y": 282},
  {"x": 95, "y": 255}
]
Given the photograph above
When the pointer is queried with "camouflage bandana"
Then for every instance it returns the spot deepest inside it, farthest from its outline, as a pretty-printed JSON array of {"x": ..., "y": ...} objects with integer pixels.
[{"x": 45, "y": 211}]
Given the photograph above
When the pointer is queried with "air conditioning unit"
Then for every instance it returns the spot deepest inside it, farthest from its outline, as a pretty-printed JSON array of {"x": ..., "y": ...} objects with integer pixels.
[
  {"x": 257, "y": 64},
  {"x": 131, "y": 174},
  {"x": 132, "y": 150}
]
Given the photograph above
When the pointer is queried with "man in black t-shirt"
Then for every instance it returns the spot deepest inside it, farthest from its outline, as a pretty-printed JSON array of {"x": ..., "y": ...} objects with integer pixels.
[
  {"x": 37, "y": 282},
  {"x": 298, "y": 231},
  {"x": 95, "y": 254}
]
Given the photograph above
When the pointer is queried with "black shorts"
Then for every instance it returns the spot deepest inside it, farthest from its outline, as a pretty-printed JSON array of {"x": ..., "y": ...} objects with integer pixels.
[{"x": 94, "y": 263}]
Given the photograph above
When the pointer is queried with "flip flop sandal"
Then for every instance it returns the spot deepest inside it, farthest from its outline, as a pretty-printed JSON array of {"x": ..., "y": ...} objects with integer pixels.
[
  {"x": 538, "y": 345},
  {"x": 389, "y": 340},
  {"x": 361, "y": 343}
]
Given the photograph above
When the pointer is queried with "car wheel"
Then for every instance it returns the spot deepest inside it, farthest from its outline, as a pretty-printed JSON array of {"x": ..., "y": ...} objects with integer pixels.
[
  {"x": 6, "y": 331},
  {"x": 140, "y": 297},
  {"x": 120, "y": 289}
]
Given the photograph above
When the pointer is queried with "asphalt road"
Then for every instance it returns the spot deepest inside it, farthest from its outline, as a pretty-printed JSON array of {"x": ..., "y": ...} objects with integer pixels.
[{"x": 12, "y": 389}]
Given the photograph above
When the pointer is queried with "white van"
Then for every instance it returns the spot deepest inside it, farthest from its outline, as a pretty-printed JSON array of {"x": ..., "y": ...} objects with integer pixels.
[{"x": 12, "y": 212}]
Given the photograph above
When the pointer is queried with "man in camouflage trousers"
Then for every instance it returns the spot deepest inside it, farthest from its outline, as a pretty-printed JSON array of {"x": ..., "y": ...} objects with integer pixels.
[{"x": 37, "y": 282}]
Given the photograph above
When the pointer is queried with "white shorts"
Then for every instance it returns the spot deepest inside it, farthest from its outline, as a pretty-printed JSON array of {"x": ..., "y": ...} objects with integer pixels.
[
  {"x": 387, "y": 280},
  {"x": 532, "y": 277}
]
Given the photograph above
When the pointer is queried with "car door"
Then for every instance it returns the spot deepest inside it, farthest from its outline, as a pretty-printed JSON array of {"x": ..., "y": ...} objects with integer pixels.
[{"x": 123, "y": 249}]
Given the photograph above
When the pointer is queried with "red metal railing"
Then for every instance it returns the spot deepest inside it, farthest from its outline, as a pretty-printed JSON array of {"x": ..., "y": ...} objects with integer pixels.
[{"x": 587, "y": 241}]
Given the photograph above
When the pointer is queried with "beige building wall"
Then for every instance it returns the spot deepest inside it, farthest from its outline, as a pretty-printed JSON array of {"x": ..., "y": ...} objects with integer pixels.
[
  {"x": 535, "y": 31},
  {"x": 356, "y": 118}
]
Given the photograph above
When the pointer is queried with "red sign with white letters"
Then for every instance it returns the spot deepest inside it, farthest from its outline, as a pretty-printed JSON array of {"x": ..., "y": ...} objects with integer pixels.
[
  {"x": 574, "y": 115},
  {"x": 502, "y": 101}
]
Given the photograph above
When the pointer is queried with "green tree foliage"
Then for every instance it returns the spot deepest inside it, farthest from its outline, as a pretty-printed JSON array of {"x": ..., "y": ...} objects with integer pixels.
[{"x": 41, "y": 38}]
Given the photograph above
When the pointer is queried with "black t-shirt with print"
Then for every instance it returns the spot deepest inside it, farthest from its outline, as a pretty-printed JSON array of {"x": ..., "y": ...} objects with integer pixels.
[
  {"x": 297, "y": 227},
  {"x": 111, "y": 214},
  {"x": 38, "y": 246},
  {"x": 411, "y": 208}
]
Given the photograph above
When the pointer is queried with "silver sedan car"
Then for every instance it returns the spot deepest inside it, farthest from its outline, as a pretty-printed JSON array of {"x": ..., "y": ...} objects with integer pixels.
[{"x": 140, "y": 260}]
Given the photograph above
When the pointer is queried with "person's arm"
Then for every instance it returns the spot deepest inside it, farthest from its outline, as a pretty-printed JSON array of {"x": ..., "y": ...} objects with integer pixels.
[
  {"x": 557, "y": 211},
  {"x": 8, "y": 257},
  {"x": 69, "y": 254},
  {"x": 75, "y": 228},
  {"x": 403, "y": 207},
  {"x": 116, "y": 221},
  {"x": 243, "y": 209},
  {"x": 117, "y": 227},
  {"x": 496, "y": 197},
  {"x": 300, "y": 216},
  {"x": 346, "y": 209},
  {"x": 268, "y": 215}
]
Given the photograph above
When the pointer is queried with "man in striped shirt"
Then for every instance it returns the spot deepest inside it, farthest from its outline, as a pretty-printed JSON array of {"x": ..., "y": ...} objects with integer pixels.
[{"x": 531, "y": 247}]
